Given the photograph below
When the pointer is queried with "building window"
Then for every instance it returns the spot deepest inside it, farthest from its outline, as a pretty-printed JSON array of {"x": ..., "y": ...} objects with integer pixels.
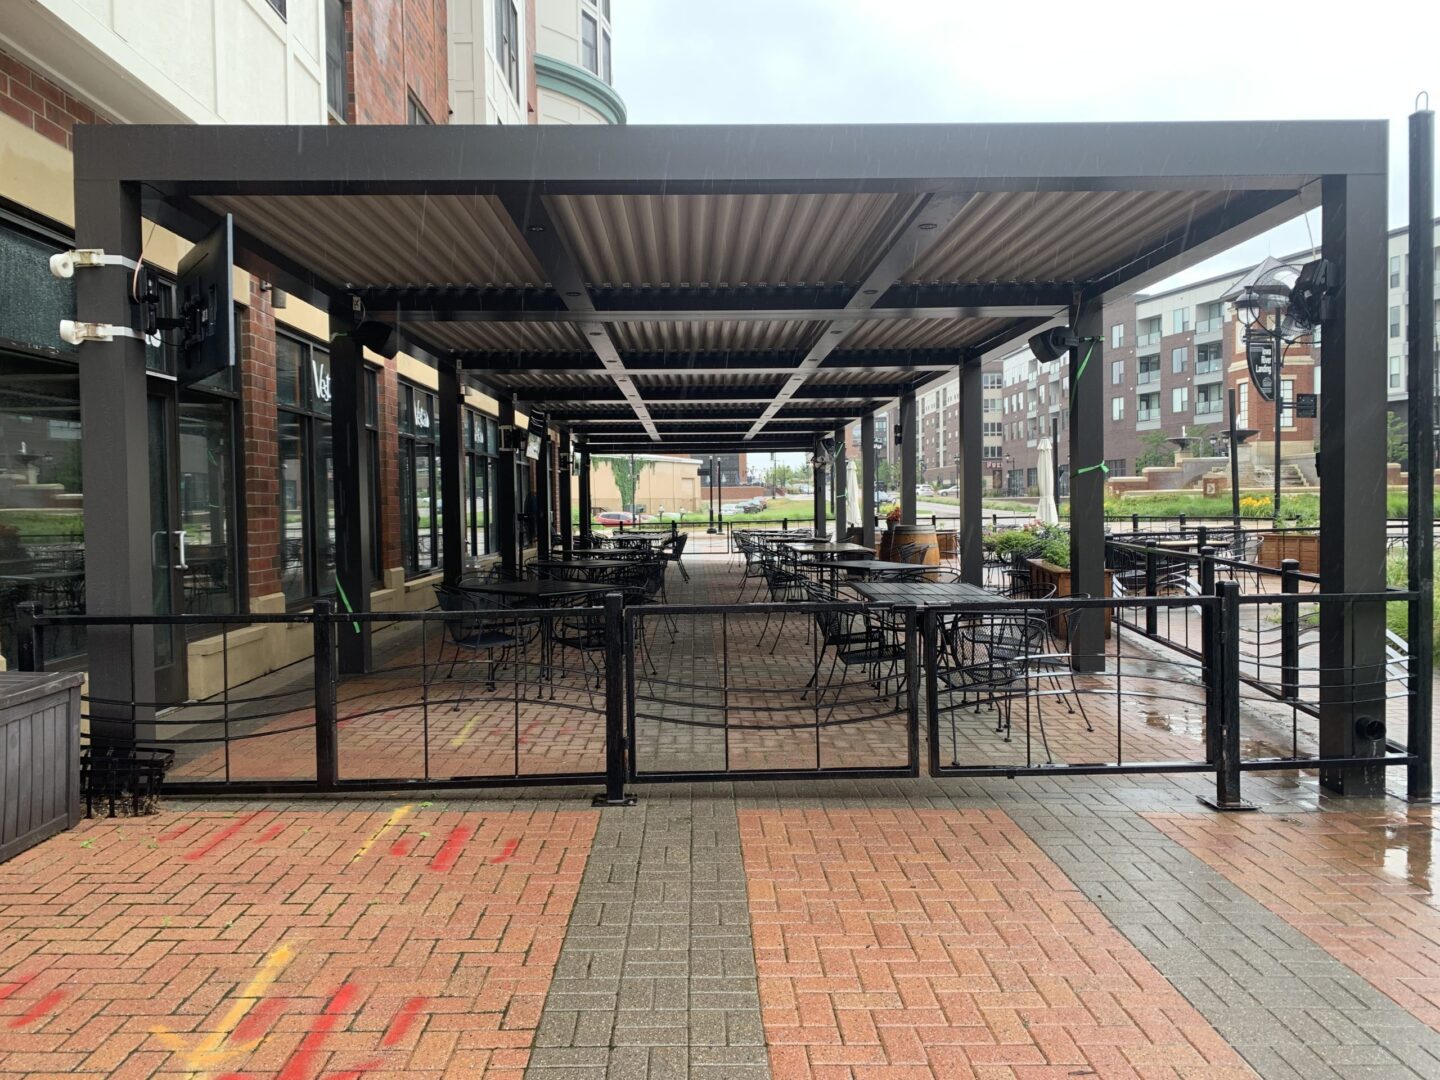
[
  {"x": 605, "y": 56},
  {"x": 1180, "y": 399},
  {"x": 1180, "y": 320},
  {"x": 1394, "y": 271},
  {"x": 589, "y": 44},
  {"x": 1115, "y": 467},
  {"x": 279, "y": 6},
  {"x": 337, "y": 86},
  {"x": 1208, "y": 358},
  {"x": 1148, "y": 332},
  {"x": 1117, "y": 373},
  {"x": 1394, "y": 322},
  {"x": 993, "y": 427},
  {"x": 1117, "y": 408},
  {"x": 420, "y": 508},
  {"x": 1394, "y": 373},
  {"x": 1147, "y": 408},
  {"x": 1117, "y": 335},
  {"x": 1287, "y": 403},
  {"x": 992, "y": 380},
  {"x": 1208, "y": 399},
  {"x": 1149, "y": 370},
  {"x": 507, "y": 43},
  {"x": 307, "y": 469},
  {"x": 1242, "y": 407},
  {"x": 481, "y": 447},
  {"x": 1210, "y": 317},
  {"x": 1179, "y": 359},
  {"x": 416, "y": 115}
]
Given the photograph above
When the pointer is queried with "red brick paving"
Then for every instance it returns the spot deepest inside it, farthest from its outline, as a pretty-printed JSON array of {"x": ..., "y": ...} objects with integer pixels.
[
  {"x": 918, "y": 945},
  {"x": 1361, "y": 886},
  {"x": 293, "y": 945}
]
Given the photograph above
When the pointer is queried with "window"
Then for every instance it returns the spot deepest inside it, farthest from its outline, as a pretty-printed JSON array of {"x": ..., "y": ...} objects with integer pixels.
[
  {"x": 1147, "y": 408},
  {"x": 507, "y": 43},
  {"x": 992, "y": 380},
  {"x": 1242, "y": 406},
  {"x": 1180, "y": 399},
  {"x": 417, "y": 115},
  {"x": 1117, "y": 373},
  {"x": 1117, "y": 408},
  {"x": 1149, "y": 370},
  {"x": 420, "y": 508},
  {"x": 337, "y": 88},
  {"x": 1394, "y": 373},
  {"x": 481, "y": 447},
  {"x": 992, "y": 452},
  {"x": 1116, "y": 466},
  {"x": 1394, "y": 271},
  {"x": 1148, "y": 332},
  {"x": 1209, "y": 399},
  {"x": 1287, "y": 403},
  {"x": 1179, "y": 360},
  {"x": 1207, "y": 358},
  {"x": 589, "y": 44},
  {"x": 989, "y": 405},
  {"x": 1180, "y": 320},
  {"x": 1394, "y": 322},
  {"x": 1117, "y": 335},
  {"x": 1210, "y": 317},
  {"x": 993, "y": 428},
  {"x": 307, "y": 469},
  {"x": 279, "y": 6},
  {"x": 605, "y": 56}
]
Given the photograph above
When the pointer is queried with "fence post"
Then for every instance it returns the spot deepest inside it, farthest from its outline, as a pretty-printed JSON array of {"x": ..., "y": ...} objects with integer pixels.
[
  {"x": 616, "y": 643},
  {"x": 1182, "y": 523},
  {"x": 1290, "y": 631},
  {"x": 1207, "y": 632},
  {"x": 1202, "y": 535},
  {"x": 327, "y": 758},
  {"x": 1224, "y": 670},
  {"x": 784, "y": 524},
  {"x": 29, "y": 646},
  {"x": 994, "y": 521},
  {"x": 933, "y": 523},
  {"x": 913, "y": 643},
  {"x": 1152, "y": 613},
  {"x": 1135, "y": 523}
]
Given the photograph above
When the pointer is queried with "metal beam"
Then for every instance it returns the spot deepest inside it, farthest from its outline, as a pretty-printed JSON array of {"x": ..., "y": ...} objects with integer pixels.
[
  {"x": 763, "y": 393},
  {"x": 972, "y": 451},
  {"x": 903, "y": 243},
  {"x": 676, "y": 413},
  {"x": 720, "y": 159},
  {"x": 867, "y": 479},
  {"x": 909, "y": 446},
  {"x": 354, "y": 539},
  {"x": 717, "y": 362},
  {"x": 547, "y": 243}
]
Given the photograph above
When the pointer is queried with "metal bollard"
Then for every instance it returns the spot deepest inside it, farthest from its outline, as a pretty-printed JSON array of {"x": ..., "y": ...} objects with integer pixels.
[
  {"x": 1224, "y": 669},
  {"x": 616, "y": 644},
  {"x": 1152, "y": 613},
  {"x": 327, "y": 750},
  {"x": 29, "y": 644}
]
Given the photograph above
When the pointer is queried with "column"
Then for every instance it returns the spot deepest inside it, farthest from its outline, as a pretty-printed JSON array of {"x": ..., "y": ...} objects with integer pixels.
[
  {"x": 819, "y": 498},
  {"x": 842, "y": 489},
  {"x": 115, "y": 457},
  {"x": 909, "y": 447},
  {"x": 1352, "y": 482},
  {"x": 543, "y": 517},
  {"x": 586, "y": 506},
  {"x": 1087, "y": 484},
  {"x": 353, "y": 519},
  {"x": 567, "y": 512},
  {"x": 506, "y": 532},
  {"x": 867, "y": 479},
  {"x": 452, "y": 450},
  {"x": 972, "y": 453}
]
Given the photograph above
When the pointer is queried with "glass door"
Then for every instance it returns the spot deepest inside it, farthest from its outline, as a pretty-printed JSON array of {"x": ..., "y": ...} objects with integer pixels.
[{"x": 167, "y": 551}]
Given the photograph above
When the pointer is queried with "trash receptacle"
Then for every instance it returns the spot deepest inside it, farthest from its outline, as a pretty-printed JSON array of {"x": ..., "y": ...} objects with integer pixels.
[{"x": 39, "y": 757}]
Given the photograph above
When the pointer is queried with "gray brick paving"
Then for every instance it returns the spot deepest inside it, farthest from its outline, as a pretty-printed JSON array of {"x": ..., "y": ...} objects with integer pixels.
[{"x": 656, "y": 978}]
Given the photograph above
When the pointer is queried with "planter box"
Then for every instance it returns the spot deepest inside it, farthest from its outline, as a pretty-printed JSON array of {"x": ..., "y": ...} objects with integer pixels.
[
  {"x": 1045, "y": 573},
  {"x": 1304, "y": 548},
  {"x": 39, "y": 757}
]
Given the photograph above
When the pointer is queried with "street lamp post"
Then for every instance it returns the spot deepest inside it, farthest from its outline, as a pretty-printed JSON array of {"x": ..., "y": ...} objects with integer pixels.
[{"x": 714, "y": 464}]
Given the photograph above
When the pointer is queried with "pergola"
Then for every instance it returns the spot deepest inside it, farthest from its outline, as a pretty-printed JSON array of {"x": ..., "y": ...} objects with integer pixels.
[{"x": 718, "y": 289}]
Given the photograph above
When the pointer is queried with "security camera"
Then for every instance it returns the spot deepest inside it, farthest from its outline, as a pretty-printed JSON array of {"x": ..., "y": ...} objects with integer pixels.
[{"x": 62, "y": 264}]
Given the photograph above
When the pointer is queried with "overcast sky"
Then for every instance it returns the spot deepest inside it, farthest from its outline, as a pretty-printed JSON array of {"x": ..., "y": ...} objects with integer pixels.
[{"x": 889, "y": 61}]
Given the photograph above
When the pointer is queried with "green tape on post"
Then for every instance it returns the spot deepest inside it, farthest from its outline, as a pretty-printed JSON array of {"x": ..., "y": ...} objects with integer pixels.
[
  {"x": 346, "y": 601},
  {"x": 1091, "y": 468},
  {"x": 1084, "y": 363}
]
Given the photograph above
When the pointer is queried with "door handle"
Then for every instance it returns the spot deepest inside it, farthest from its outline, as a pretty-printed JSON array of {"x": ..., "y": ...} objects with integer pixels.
[
  {"x": 159, "y": 554},
  {"x": 182, "y": 564}
]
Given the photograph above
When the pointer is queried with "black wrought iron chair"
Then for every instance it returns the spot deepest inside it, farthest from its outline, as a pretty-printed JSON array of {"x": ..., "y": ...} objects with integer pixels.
[
  {"x": 672, "y": 549},
  {"x": 475, "y": 624}
]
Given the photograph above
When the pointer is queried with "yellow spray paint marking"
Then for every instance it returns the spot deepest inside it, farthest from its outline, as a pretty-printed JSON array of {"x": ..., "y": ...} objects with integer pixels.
[
  {"x": 209, "y": 1053},
  {"x": 399, "y": 814},
  {"x": 459, "y": 740}
]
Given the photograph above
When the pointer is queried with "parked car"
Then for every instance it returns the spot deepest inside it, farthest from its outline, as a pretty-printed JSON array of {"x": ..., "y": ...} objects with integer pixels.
[
  {"x": 615, "y": 517},
  {"x": 752, "y": 506}
]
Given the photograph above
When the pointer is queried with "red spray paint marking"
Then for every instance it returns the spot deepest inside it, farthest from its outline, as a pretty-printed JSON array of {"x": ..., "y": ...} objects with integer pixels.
[
  {"x": 258, "y": 1020},
  {"x": 219, "y": 838},
  {"x": 176, "y": 832},
  {"x": 504, "y": 856},
  {"x": 39, "y": 1009},
  {"x": 298, "y": 1067},
  {"x": 404, "y": 1021},
  {"x": 447, "y": 855},
  {"x": 10, "y": 988},
  {"x": 357, "y": 1072},
  {"x": 402, "y": 847},
  {"x": 232, "y": 1076},
  {"x": 270, "y": 833}
]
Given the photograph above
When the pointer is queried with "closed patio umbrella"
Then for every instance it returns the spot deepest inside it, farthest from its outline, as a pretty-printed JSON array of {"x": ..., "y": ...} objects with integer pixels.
[
  {"x": 854, "y": 509},
  {"x": 1046, "y": 513}
]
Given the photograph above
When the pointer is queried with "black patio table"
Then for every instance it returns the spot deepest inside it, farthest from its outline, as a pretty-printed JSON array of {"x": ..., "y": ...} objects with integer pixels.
[
  {"x": 596, "y": 563},
  {"x": 542, "y": 592},
  {"x": 922, "y": 593},
  {"x": 833, "y": 550}
]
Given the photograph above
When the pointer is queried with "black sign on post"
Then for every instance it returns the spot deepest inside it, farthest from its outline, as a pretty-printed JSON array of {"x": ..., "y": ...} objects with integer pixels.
[
  {"x": 1260, "y": 355},
  {"x": 1307, "y": 406}
]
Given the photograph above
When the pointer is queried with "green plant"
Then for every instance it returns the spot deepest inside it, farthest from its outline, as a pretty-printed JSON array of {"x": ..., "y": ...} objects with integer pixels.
[
  {"x": 1397, "y": 440},
  {"x": 627, "y": 471},
  {"x": 1157, "y": 452},
  {"x": 1397, "y": 615}
]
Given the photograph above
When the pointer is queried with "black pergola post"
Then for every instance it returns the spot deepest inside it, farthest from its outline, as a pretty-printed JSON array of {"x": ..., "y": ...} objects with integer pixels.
[
  {"x": 115, "y": 457},
  {"x": 842, "y": 490},
  {"x": 353, "y": 516},
  {"x": 972, "y": 442},
  {"x": 566, "y": 523},
  {"x": 817, "y": 470},
  {"x": 505, "y": 531},
  {"x": 452, "y": 521},
  {"x": 867, "y": 479},
  {"x": 586, "y": 506},
  {"x": 1352, "y": 482},
  {"x": 543, "y": 480},
  {"x": 1087, "y": 484},
  {"x": 909, "y": 444}
]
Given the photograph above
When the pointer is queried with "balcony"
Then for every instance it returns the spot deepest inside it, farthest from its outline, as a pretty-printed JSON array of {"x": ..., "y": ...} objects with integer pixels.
[
  {"x": 1208, "y": 408},
  {"x": 1146, "y": 416},
  {"x": 1146, "y": 377},
  {"x": 1214, "y": 367},
  {"x": 1141, "y": 340}
]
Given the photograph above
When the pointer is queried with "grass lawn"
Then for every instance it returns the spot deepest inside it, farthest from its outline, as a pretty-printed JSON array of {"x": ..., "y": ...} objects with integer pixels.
[{"x": 32, "y": 523}]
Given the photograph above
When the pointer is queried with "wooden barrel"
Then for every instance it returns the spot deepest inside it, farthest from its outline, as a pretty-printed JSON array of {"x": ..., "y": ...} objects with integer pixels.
[{"x": 929, "y": 555}]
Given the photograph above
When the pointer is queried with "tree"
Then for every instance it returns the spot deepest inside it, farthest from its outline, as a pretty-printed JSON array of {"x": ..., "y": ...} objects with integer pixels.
[
  {"x": 779, "y": 476},
  {"x": 627, "y": 471},
  {"x": 884, "y": 475},
  {"x": 1156, "y": 453},
  {"x": 1397, "y": 440}
]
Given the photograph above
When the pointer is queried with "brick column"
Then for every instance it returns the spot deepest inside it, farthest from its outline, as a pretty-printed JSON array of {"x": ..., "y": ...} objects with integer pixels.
[
  {"x": 261, "y": 450},
  {"x": 388, "y": 405}
]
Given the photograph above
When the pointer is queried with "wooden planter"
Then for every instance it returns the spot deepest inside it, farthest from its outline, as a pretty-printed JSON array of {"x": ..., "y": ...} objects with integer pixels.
[
  {"x": 886, "y": 543},
  {"x": 39, "y": 757},
  {"x": 1044, "y": 573},
  {"x": 1304, "y": 548}
]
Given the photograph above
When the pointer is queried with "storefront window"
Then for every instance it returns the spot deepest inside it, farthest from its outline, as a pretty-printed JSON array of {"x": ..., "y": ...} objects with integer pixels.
[
  {"x": 420, "y": 509},
  {"x": 307, "y": 469},
  {"x": 480, "y": 447}
]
